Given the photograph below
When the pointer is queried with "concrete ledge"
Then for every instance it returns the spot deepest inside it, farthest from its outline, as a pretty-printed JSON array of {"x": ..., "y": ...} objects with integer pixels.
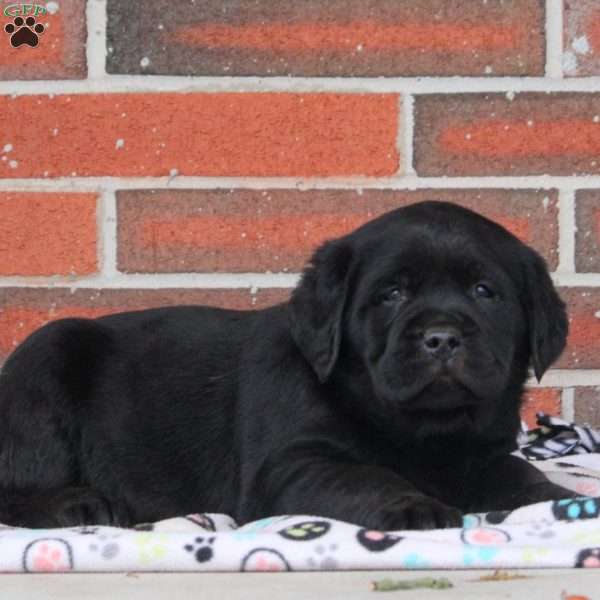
[{"x": 541, "y": 584}]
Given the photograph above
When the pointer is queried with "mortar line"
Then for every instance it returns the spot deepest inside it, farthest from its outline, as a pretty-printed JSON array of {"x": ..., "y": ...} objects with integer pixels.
[
  {"x": 576, "y": 279},
  {"x": 406, "y": 135},
  {"x": 567, "y": 378},
  {"x": 554, "y": 39},
  {"x": 567, "y": 404},
  {"x": 379, "y": 85},
  {"x": 107, "y": 235},
  {"x": 112, "y": 278},
  {"x": 409, "y": 182},
  {"x": 119, "y": 280},
  {"x": 96, "y": 19},
  {"x": 566, "y": 231}
]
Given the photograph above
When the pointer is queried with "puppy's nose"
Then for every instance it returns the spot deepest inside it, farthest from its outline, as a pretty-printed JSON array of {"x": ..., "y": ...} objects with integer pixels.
[{"x": 442, "y": 341}]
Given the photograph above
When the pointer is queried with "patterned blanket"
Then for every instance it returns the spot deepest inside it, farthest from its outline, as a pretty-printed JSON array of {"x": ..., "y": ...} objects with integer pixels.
[{"x": 550, "y": 534}]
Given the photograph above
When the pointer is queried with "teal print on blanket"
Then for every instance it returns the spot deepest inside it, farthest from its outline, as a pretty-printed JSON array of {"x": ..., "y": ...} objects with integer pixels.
[
  {"x": 572, "y": 509},
  {"x": 415, "y": 561},
  {"x": 252, "y": 530},
  {"x": 476, "y": 556},
  {"x": 482, "y": 544},
  {"x": 471, "y": 521}
]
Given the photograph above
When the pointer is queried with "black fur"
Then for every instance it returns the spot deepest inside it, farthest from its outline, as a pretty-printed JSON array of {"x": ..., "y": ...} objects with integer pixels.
[{"x": 341, "y": 403}]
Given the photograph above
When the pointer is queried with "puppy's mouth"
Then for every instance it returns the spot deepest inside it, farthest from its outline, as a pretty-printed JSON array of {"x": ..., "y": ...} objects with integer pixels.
[
  {"x": 443, "y": 417},
  {"x": 446, "y": 397},
  {"x": 448, "y": 378},
  {"x": 443, "y": 412}
]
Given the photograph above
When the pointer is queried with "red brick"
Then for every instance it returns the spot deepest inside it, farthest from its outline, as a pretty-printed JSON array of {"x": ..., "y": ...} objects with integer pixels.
[
  {"x": 277, "y": 230},
  {"x": 583, "y": 348},
  {"x": 546, "y": 400},
  {"x": 587, "y": 406},
  {"x": 200, "y": 134},
  {"x": 333, "y": 38},
  {"x": 47, "y": 234},
  {"x": 490, "y": 134},
  {"x": 587, "y": 254},
  {"x": 22, "y": 310},
  {"x": 60, "y": 53},
  {"x": 581, "y": 54}
]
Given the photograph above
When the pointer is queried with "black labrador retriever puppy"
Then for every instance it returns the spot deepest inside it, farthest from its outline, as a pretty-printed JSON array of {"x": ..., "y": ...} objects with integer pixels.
[{"x": 385, "y": 393}]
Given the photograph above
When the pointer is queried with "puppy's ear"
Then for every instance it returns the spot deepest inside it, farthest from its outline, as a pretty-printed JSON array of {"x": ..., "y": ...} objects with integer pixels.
[
  {"x": 546, "y": 315},
  {"x": 317, "y": 306}
]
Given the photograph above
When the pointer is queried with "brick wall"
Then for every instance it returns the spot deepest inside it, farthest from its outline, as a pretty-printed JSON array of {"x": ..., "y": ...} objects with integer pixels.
[{"x": 197, "y": 151}]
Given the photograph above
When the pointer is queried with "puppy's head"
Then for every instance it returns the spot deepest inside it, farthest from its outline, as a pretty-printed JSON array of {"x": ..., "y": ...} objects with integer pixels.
[{"x": 427, "y": 318}]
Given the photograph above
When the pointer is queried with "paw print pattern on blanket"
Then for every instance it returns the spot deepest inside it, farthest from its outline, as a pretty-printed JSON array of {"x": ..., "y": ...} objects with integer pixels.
[
  {"x": 572, "y": 509},
  {"x": 106, "y": 546},
  {"x": 588, "y": 558},
  {"x": 482, "y": 544},
  {"x": 532, "y": 555},
  {"x": 265, "y": 559},
  {"x": 202, "y": 549},
  {"x": 530, "y": 536},
  {"x": 541, "y": 529},
  {"x": 48, "y": 555},
  {"x": 376, "y": 541},
  {"x": 305, "y": 531},
  {"x": 496, "y": 517},
  {"x": 324, "y": 559},
  {"x": 151, "y": 546},
  {"x": 484, "y": 536},
  {"x": 590, "y": 536}
]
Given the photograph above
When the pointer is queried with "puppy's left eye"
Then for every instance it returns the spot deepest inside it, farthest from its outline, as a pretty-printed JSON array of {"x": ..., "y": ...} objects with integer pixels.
[{"x": 483, "y": 290}]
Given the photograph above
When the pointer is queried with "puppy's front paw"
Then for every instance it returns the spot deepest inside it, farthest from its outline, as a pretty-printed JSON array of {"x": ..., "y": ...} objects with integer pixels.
[{"x": 415, "y": 511}]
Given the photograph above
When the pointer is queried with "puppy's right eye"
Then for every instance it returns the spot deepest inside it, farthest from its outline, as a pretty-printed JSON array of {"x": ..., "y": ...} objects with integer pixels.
[
  {"x": 484, "y": 291},
  {"x": 392, "y": 295}
]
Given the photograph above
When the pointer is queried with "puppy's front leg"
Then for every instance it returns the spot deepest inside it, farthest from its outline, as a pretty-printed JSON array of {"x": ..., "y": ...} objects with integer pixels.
[{"x": 371, "y": 496}]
